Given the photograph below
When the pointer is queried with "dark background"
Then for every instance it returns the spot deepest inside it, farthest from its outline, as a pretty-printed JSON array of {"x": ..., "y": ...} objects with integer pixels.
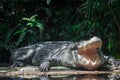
[{"x": 24, "y": 22}]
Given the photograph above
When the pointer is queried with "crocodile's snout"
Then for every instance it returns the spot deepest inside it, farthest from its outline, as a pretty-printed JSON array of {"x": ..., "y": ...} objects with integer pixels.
[{"x": 89, "y": 51}]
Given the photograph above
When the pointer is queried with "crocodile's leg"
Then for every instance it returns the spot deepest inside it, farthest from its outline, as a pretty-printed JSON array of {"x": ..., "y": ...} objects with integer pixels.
[
  {"x": 112, "y": 61},
  {"x": 17, "y": 64},
  {"x": 20, "y": 58},
  {"x": 47, "y": 63}
]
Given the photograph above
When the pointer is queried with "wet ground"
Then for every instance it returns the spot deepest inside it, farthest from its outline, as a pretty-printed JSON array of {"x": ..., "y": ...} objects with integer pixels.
[{"x": 59, "y": 73}]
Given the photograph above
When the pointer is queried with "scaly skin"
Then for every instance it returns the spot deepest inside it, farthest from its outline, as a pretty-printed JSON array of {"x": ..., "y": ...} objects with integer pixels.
[{"x": 84, "y": 54}]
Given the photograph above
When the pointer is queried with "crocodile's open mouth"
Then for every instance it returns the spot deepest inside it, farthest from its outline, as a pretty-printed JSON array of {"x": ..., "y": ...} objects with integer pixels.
[{"x": 89, "y": 51}]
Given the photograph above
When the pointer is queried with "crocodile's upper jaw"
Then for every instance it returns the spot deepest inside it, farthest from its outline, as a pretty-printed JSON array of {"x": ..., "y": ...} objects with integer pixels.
[
  {"x": 89, "y": 51},
  {"x": 94, "y": 42}
]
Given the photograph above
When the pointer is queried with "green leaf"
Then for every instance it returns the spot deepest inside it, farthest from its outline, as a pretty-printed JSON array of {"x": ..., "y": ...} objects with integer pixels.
[
  {"x": 40, "y": 26},
  {"x": 76, "y": 27},
  {"x": 20, "y": 31},
  {"x": 26, "y": 19},
  {"x": 109, "y": 46},
  {"x": 33, "y": 20},
  {"x": 21, "y": 38},
  {"x": 32, "y": 17},
  {"x": 29, "y": 24},
  {"x": 30, "y": 31}
]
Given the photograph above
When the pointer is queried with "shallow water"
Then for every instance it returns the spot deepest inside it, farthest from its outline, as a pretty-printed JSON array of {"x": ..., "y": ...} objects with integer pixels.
[{"x": 69, "y": 77}]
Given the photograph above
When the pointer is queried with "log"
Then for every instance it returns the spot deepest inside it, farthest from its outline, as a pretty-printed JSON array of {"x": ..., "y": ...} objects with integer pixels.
[
  {"x": 33, "y": 71},
  {"x": 66, "y": 72}
]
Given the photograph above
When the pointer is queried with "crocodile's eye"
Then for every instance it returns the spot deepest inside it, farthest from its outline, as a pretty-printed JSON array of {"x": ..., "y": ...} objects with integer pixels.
[{"x": 74, "y": 48}]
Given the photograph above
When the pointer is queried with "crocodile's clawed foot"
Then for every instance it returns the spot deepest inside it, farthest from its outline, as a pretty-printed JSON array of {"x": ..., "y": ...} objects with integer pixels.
[
  {"x": 44, "y": 77},
  {"x": 45, "y": 66},
  {"x": 17, "y": 64}
]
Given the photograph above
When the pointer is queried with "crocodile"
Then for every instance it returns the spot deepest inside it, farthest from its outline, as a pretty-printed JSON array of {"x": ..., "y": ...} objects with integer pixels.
[{"x": 84, "y": 54}]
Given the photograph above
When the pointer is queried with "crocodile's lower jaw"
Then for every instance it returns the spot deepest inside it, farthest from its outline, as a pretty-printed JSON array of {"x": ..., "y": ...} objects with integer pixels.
[{"x": 89, "y": 59}]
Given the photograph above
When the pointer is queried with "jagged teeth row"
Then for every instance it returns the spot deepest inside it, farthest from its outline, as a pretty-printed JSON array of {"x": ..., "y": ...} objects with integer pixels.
[
  {"x": 88, "y": 44},
  {"x": 85, "y": 46}
]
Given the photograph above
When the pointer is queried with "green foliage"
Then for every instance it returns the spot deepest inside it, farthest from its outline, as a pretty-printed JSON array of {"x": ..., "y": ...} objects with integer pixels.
[
  {"x": 5, "y": 40},
  {"x": 101, "y": 18},
  {"x": 63, "y": 20},
  {"x": 30, "y": 27},
  {"x": 27, "y": 28}
]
